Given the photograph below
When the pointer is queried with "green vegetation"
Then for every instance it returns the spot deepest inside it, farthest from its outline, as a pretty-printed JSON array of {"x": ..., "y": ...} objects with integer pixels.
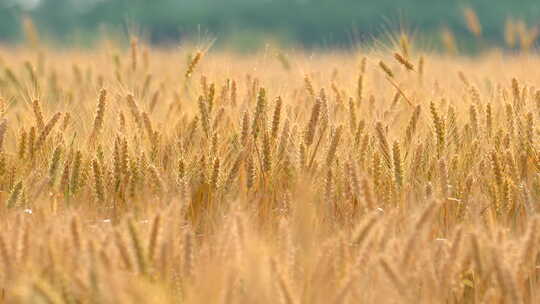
[{"x": 311, "y": 23}]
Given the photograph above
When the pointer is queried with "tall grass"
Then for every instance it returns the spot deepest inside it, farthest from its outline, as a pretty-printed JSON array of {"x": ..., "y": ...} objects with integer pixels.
[{"x": 229, "y": 179}]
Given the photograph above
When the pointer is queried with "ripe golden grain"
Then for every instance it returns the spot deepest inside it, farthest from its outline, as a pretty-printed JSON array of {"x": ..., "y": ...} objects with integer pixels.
[{"x": 268, "y": 187}]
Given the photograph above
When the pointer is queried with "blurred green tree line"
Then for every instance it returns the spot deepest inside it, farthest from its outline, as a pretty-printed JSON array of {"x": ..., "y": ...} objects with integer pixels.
[{"x": 310, "y": 23}]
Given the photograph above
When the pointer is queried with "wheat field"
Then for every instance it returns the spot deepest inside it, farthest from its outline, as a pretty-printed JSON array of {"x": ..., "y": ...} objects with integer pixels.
[{"x": 143, "y": 175}]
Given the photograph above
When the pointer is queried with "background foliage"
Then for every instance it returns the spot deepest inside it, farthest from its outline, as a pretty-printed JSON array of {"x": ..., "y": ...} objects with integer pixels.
[{"x": 319, "y": 23}]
